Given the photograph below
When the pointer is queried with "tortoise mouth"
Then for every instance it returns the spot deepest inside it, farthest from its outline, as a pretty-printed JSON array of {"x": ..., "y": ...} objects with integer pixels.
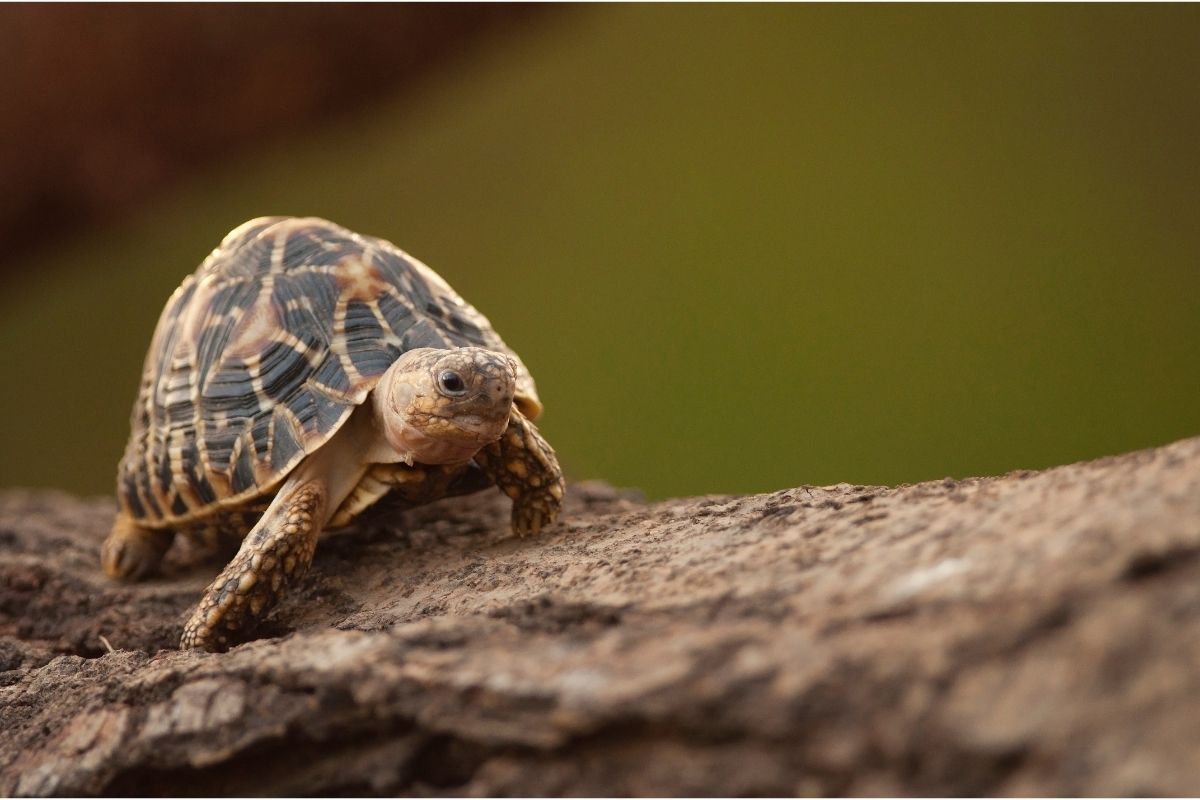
[
  {"x": 445, "y": 438},
  {"x": 482, "y": 427},
  {"x": 416, "y": 445}
]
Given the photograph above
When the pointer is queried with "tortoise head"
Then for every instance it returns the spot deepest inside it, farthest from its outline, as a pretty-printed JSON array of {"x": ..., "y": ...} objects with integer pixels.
[{"x": 443, "y": 406}]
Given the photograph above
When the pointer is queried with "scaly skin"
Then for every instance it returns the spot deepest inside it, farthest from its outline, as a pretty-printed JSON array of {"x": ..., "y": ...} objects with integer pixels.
[
  {"x": 273, "y": 555},
  {"x": 525, "y": 468}
]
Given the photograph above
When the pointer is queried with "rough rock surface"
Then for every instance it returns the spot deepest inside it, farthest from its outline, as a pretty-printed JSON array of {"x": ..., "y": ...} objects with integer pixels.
[{"x": 1031, "y": 633}]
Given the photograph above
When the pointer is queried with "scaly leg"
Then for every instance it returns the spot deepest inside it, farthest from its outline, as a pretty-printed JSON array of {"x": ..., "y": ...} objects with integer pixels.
[
  {"x": 273, "y": 555},
  {"x": 525, "y": 468},
  {"x": 132, "y": 552}
]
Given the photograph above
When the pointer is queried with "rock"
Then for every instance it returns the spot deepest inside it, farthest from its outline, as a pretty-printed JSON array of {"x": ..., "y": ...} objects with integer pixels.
[{"x": 1034, "y": 633}]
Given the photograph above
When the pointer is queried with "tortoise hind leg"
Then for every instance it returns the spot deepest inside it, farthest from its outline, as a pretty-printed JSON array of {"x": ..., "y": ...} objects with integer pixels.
[
  {"x": 132, "y": 551},
  {"x": 275, "y": 553},
  {"x": 525, "y": 468}
]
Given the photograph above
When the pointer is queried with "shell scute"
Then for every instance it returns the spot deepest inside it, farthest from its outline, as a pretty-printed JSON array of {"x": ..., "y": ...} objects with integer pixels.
[
  {"x": 399, "y": 316},
  {"x": 243, "y": 470},
  {"x": 284, "y": 366},
  {"x": 330, "y": 374},
  {"x": 285, "y": 442}
]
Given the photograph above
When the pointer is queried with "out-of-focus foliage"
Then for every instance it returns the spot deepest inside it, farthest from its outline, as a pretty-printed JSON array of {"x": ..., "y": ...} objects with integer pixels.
[{"x": 741, "y": 248}]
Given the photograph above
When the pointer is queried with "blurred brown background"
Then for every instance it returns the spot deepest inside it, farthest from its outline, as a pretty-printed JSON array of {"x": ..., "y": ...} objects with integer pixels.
[
  {"x": 108, "y": 104},
  {"x": 741, "y": 247}
]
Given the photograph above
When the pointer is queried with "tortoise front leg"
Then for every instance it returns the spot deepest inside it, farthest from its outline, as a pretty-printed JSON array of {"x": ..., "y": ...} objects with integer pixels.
[
  {"x": 525, "y": 468},
  {"x": 276, "y": 552}
]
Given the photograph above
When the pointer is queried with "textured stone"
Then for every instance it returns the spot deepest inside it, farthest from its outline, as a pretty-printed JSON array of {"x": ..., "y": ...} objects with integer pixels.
[{"x": 1031, "y": 633}]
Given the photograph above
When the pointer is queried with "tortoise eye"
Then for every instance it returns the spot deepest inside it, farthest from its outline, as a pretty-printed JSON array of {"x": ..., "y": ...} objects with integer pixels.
[{"x": 451, "y": 383}]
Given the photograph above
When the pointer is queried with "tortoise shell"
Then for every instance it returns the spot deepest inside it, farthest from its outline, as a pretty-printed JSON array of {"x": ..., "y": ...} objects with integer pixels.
[{"x": 263, "y": 353}]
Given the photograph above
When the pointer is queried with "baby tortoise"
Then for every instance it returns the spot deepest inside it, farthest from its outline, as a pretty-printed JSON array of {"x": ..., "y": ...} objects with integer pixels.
[{"x": 302, "y": 373}]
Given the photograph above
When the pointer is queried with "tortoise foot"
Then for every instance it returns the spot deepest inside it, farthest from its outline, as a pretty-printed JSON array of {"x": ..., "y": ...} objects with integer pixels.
[
  {"x": 132, "y": 552},
  {"x": 535, "y": 510}
]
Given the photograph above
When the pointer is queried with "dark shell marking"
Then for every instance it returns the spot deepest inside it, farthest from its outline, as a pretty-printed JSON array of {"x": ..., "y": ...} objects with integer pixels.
[{"x": 264, "y": 351}]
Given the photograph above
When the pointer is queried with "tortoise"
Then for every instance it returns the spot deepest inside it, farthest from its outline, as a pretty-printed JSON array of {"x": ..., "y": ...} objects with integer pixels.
[{"x": 302, "y": 373}]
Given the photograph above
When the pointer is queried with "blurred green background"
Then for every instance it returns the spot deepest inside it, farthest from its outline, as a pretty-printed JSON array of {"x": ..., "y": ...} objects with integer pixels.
[{"x": 741, "y": 248}]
